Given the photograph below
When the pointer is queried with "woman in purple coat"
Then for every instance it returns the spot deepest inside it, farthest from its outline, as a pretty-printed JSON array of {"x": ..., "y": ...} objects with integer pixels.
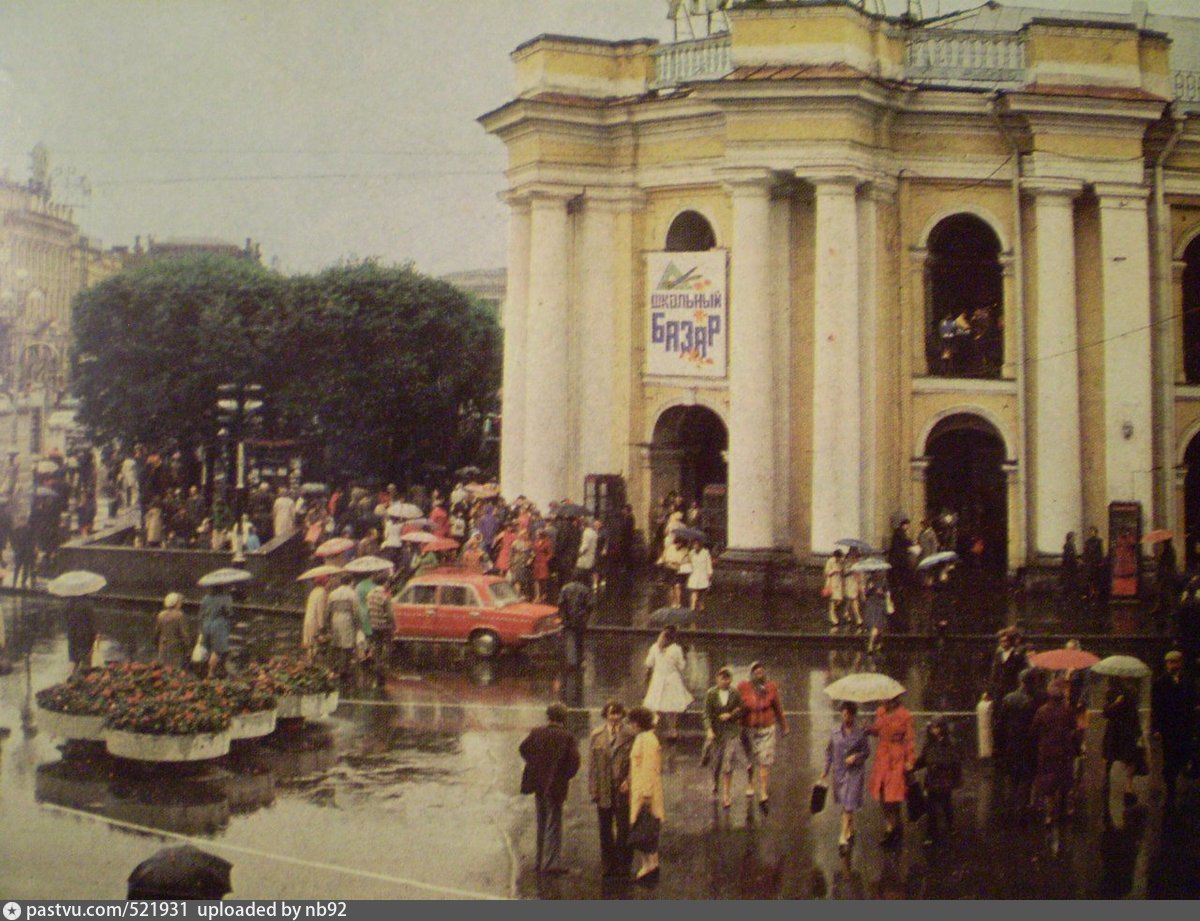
[{"x": 846, "y": 756}]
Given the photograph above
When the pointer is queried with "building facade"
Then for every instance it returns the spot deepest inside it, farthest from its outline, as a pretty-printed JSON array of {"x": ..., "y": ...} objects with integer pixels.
[
  {"x": 853, "y": 267},
  {"x": 44, "y": 262}
]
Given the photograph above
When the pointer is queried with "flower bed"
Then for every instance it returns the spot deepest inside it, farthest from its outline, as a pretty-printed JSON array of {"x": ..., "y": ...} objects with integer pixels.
[
  {"x": 304, "y": 689},
  {"x": 188, "y": 728},
  {"x": 78, "y": 707}
]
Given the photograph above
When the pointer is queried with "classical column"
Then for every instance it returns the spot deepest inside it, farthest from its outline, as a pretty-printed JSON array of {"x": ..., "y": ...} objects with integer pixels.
[
  {"x": 1128, "y": 403},
  {"x": 837, "y": 414},
  {"x": 879, "y": 193},
  {"x": 596, "y": 337},
  {"x": 919, "y": 468},
  {"x": 781, "y": 361},
  {"x": 751, "y": 396},
  {"x": 1058, "y": 467},
  {"x": 512, "y": 406},
  {"x": 1178, "y": 367},
  {"x": 548, "y": 384},
  {"x": 918, "y": 331}
]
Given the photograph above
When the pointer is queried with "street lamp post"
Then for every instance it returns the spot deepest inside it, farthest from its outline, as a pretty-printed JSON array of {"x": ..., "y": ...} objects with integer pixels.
[{"x": 237, "y": 406}]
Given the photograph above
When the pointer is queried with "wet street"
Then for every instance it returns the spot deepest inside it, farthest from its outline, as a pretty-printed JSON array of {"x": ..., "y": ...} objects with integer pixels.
[{"x": 412, "y": 792}]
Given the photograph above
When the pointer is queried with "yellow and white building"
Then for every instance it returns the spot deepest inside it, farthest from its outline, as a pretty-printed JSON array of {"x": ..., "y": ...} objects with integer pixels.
[{"x": 830, "y": 190}]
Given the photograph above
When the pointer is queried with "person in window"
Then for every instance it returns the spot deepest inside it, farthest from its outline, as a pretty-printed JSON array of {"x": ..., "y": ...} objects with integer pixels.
[{"x": 948, "y": 332}]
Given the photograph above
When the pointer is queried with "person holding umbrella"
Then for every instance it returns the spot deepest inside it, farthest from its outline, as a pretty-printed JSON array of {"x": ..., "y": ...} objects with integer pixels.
[
  {"x": 171, "y": 638},
  {"x": 216, "y": 619},
  {"x": 700, "y": 578},
  {"x": 343, "y": 615},
  {"x": 894, "y": 759},
  {"x": 846, "y": 757},
  {"x": 1122, "y": 734},
  {"x": 832, "y": 589}
]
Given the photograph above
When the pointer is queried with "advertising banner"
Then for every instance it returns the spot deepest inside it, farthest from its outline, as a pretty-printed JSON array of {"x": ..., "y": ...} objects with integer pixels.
[{"x": 687, "y": 310}]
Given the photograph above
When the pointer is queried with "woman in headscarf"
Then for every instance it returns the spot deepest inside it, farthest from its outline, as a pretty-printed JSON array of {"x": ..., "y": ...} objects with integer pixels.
[
  {"x": 171, "y": 635},
  {"x": 846, "y": 758},
  {"x": 894, "y": 758}
]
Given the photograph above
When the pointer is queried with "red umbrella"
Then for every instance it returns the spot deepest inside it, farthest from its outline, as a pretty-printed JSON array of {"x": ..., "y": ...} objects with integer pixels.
[
  {"x": 334, "y": 547},
  {"x": 1058, "y": 660},
  {"x": 439, "y": 544},
  {"x": 1157, "y": 537}
]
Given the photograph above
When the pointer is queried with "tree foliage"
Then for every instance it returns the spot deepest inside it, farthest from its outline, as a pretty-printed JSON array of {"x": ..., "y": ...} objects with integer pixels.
[{"x": 382, "y": 366}]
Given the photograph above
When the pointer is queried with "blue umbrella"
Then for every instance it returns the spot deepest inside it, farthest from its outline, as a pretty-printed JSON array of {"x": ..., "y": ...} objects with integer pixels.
[
  {"x": 871, "y": 565},
  {"x": 937, "y": 559}
]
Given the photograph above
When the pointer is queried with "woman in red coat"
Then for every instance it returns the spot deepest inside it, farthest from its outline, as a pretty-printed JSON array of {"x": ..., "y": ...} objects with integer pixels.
[
  {"x": 543, "y": 552},
  {"x": 894, "y": 757}
]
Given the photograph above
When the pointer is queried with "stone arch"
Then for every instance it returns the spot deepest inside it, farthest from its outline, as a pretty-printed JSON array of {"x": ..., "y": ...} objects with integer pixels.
[
  {"x": 1001, "y": 431},
  {"x": 968, "y": 490},
  {"x": 965, "y": 309},
  {"x": 695, "y": 214},
  {"x": 688, "y": 443},
  {"x": 983, "y": 214}
]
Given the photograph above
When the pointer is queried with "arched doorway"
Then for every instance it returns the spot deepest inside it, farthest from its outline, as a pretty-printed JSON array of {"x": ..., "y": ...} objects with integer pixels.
[
  {"x": 690, "y": 232},
  {"x": 1191, "y": 500},
  {"x": 687, "y": 459},
  {"x": 966, "y": 489},
  {"x": 964, "y": 287},
  {"x": 1191, "y": 313}
]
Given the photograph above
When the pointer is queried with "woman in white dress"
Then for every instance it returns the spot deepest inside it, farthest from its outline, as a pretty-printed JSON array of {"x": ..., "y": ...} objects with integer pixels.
[
  {"x": 666, "y": 691},
  {"x": 700, "y": 578}
]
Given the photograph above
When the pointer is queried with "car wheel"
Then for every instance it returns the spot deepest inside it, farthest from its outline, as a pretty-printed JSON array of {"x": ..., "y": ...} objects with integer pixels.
[{"x": 484, "y": 644}]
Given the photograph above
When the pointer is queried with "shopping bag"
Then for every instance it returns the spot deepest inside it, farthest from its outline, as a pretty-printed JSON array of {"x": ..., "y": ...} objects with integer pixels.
[
  {"x": 819, "y": 793},
  {"x": 199, "y": 652},
  {"x": 643, "y": 833}
]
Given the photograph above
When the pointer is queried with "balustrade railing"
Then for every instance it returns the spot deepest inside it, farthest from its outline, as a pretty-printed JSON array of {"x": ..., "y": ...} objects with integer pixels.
[
  {"x": 960, "y": 56},
  {"x": 706, "y": 58}
]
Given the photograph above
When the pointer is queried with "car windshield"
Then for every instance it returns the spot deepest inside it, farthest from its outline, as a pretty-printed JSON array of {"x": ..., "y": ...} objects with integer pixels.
[{"x": 503, "y": 594}]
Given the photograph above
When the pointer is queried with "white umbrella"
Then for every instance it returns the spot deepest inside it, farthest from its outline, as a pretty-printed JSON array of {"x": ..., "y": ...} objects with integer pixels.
[
  {"x": 75, "y": 583},
  {"x": 864, "y": 687},
  {"x": 46, "y": 466},
  {"x": 871, "y": 565},
  {"x": 368, "y": 564},
  {"x": 224, "y": 576},
  {"x": 335, "y": 546},
  {"x": 404, "y": 510},
  {"x": 418, "y": 537},
  {"x": 1122, "y": 667},
  {"x": 937, "y": 559}
]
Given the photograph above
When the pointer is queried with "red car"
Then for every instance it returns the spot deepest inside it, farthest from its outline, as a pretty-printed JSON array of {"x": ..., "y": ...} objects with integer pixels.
[{"x": 485, "y": 612}]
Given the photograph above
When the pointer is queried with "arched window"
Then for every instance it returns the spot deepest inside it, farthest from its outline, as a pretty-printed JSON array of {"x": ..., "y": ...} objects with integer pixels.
[
  {"x": 964, "y": 289},
  {"x": 1191, "y": 312},
  {"x": 690, "y": 233}
]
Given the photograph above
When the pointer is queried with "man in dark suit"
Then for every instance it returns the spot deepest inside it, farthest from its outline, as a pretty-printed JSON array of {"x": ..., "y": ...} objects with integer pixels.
[
  {"x": 551, "y": 759},
  {"x": 1173, "y": 719},
  {"x": 575, "y": 604},
  {"x": 608, "y": 783}
]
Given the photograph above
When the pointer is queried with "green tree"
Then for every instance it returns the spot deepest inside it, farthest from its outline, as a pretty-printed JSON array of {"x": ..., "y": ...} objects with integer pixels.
[
  {"x": 389, "y": 370},
  {"x": 152, "y": 344}
]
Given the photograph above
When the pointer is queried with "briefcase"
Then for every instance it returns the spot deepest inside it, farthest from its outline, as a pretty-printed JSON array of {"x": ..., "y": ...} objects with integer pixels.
[{"x": 819, "y": 793}]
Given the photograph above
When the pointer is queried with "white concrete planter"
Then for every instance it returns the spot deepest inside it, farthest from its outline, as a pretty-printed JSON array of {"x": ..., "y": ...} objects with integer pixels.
[
  {"x": 143, "y": 746},
  {"x": 252, "y": 725},
  {"x": 307, "y": 706},
  {"x": 71, "y": 725}
]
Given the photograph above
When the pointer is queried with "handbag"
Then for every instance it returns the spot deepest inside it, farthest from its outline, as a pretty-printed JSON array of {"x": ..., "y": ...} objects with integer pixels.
[
  {"x": 199, "y": 652},
  {"x": 914, "y": 799},
  {"x": 819, "y": 793},
  {"x": 643, "y": 833}
]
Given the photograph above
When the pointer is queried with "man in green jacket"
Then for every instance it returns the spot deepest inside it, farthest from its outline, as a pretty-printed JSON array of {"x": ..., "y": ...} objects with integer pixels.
[{"x": 723, "y": 731}]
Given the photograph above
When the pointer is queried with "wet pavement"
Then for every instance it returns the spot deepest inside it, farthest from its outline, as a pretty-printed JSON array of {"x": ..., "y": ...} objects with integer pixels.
[{"x": 412, "y": 792}]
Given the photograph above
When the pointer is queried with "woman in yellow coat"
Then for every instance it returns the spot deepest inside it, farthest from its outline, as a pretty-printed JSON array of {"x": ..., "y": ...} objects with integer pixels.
[{"x": 645, "y": 782}]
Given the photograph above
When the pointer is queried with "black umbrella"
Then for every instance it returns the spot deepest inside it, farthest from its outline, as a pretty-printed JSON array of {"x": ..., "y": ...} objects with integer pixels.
[
  {"x": 183, "y": 872},
  {"x": 665, "y": 617},
  {"x": 689, "y": 534},
  {"x": 571, "y": 511}
]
